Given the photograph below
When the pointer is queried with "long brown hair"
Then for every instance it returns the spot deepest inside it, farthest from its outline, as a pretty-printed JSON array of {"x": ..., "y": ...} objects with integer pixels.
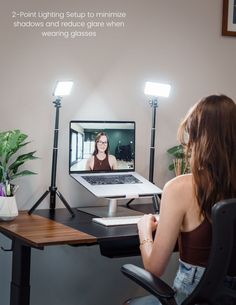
[{"x": 209, "y": 134}]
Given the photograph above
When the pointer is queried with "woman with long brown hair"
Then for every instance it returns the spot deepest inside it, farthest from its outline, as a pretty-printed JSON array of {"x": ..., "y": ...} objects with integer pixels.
[
  {"x": 101, "y": 160},
  {"x": 209, "y": 134}
]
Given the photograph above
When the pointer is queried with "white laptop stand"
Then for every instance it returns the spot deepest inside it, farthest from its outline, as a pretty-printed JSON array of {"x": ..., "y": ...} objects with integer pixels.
[{"x": 110, "y": 210}]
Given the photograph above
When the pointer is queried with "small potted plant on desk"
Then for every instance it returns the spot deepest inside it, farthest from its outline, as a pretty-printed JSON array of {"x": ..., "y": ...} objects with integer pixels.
[
  {"x": 10, "y": 163},
  {"x": 180, "y": 164}
]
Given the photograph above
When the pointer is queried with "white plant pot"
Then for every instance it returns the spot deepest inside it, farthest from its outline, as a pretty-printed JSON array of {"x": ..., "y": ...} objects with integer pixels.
[{"x": 8, "y": 208}]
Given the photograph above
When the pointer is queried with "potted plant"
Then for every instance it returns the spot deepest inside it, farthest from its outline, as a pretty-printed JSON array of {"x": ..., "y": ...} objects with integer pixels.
[
  {"x": 180, "y": 164},
  {"x": 10, "y": 168}
]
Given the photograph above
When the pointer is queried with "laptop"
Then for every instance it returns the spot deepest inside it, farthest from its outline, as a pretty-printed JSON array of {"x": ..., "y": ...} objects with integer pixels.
[{"x": 102, "y": 159}]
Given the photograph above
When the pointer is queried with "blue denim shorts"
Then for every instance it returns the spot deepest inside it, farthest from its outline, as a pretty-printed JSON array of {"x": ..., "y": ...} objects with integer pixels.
[{"x": 186, "y": 280}]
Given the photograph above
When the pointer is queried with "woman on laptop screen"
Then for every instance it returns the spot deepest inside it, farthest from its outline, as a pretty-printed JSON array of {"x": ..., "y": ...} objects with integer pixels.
[{"x": 101, "y": 160}]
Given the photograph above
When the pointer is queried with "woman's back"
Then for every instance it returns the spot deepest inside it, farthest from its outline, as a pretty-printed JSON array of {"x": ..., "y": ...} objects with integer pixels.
[
  {"x": 208, "y": 133},
  {"x": 194, "y": 239}
]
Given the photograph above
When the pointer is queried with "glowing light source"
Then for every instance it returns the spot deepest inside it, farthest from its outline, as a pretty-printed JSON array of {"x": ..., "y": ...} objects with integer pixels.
[
  {"x": 157, "y": 89},
  {"x": 63, "y": 88}
]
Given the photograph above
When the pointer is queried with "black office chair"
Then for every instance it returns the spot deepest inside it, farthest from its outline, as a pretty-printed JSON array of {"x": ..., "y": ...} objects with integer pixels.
[{"x": 211, "y": 289}]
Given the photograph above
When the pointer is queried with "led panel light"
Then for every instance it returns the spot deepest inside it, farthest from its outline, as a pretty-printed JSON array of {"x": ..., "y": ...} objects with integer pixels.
[
  {"x": 157, "y": 89},
  {"x": 63, "y": 88}
]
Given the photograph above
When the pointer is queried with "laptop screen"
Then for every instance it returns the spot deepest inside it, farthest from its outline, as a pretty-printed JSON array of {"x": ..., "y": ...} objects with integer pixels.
[{"x": 101, "y": 146}]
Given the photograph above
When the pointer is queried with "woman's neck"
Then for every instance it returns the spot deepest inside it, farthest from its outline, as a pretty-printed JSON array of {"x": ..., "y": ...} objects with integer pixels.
[{"x": 101, "y": 155}]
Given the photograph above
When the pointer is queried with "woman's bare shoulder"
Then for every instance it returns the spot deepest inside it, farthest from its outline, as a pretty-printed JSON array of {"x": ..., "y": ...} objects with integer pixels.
[
  {"x": 180, "y": 187},
  {"x": 180, "y": 181},
  {"x": 176, "y": 198},
  {"x": 90, "y": 163},
  {"x": 91, "y": 158},
  {"x": 112, "y": 158},
  {"x": 112, "y": 161}
]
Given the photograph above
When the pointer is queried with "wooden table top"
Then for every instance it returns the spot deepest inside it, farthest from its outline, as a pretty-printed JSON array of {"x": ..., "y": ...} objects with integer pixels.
[{"x": 38, "y": 231}]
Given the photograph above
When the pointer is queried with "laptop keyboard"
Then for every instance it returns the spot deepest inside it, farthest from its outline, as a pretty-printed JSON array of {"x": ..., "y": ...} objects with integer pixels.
[{"x": 111, "y": 179}]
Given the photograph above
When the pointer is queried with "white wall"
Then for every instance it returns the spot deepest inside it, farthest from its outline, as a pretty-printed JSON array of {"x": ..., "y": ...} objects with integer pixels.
[{"x": 163, "y": 40}]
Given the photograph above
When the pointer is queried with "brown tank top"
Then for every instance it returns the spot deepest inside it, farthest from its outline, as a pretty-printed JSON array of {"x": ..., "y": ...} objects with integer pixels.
[
  {"x": 101, "y": 165},
  {"x": 194, "y": 246}
]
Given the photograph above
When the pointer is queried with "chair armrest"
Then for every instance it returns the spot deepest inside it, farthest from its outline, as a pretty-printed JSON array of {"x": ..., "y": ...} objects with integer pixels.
[{"x": 148, "y": 281}]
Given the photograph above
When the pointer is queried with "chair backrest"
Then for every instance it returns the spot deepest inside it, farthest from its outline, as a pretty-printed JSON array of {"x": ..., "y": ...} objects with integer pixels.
[{"x": 222, "y": 260}]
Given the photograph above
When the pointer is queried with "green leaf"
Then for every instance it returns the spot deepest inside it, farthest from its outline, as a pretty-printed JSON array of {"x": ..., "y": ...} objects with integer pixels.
[
  {"x": 21, "y": 160},
  {"x": 23, "y": 173},
  {"x": 176, "y": 151},
  {"x": 171, "y": 167},
  {"x": 10, "y": 142},
  {"x": 1, "y": 172},
  {"x": 15, "y": 142}
]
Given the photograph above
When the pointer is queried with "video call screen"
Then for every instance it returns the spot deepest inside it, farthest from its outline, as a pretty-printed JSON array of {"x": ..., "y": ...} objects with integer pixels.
[{"x": 119, "y": 137}]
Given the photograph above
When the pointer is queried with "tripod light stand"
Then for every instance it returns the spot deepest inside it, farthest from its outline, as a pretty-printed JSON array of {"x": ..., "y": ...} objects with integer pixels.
[
  {"x": 62, "y": 88},
  {"x": 154, "y": 90}
]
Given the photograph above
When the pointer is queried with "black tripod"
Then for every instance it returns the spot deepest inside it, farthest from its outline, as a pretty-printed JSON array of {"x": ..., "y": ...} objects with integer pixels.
[
  {"x": 155, "y": 198},
  {"x": 53, "y": 189}
]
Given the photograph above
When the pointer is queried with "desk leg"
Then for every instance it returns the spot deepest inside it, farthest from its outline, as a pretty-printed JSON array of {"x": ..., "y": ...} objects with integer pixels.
[{"x": 20, "y": 284}]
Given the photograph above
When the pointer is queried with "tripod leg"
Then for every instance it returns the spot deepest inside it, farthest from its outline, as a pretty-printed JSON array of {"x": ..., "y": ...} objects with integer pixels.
[
  {"x": 38, "y": 202},
  {"x": 156, "y": 203},
  {"x": 128, "y": 203},
  {"x": 65, "y": 203}
]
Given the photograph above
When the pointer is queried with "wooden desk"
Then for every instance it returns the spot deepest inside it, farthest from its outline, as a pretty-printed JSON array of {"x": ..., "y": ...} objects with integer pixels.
[
  {"x": 28, "y": 231},
  {"x": 37, "y": 231},
  {"x": 47, "y": 229}
]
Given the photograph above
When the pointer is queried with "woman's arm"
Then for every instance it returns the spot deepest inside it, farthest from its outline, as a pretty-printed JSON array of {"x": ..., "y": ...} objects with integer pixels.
[
  {"x": 90, "y": 164},
  {"x": 112, "y": 162},
  {"x": 156, "y": 253}
]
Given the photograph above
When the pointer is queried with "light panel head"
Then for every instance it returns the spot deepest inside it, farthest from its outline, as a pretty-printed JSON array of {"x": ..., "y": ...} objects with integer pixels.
[
  {"x": 157, "y": 89},
  {"x": 63, "y": 88}
]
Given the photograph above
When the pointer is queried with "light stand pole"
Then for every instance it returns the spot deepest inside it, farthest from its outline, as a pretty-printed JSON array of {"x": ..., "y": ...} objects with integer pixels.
[
  {"x": 155, "y": 199},
  {"x": 154, "y": 104},
  {"x": 53, "y": 191},
  {"x": 155, "y": 90}
]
